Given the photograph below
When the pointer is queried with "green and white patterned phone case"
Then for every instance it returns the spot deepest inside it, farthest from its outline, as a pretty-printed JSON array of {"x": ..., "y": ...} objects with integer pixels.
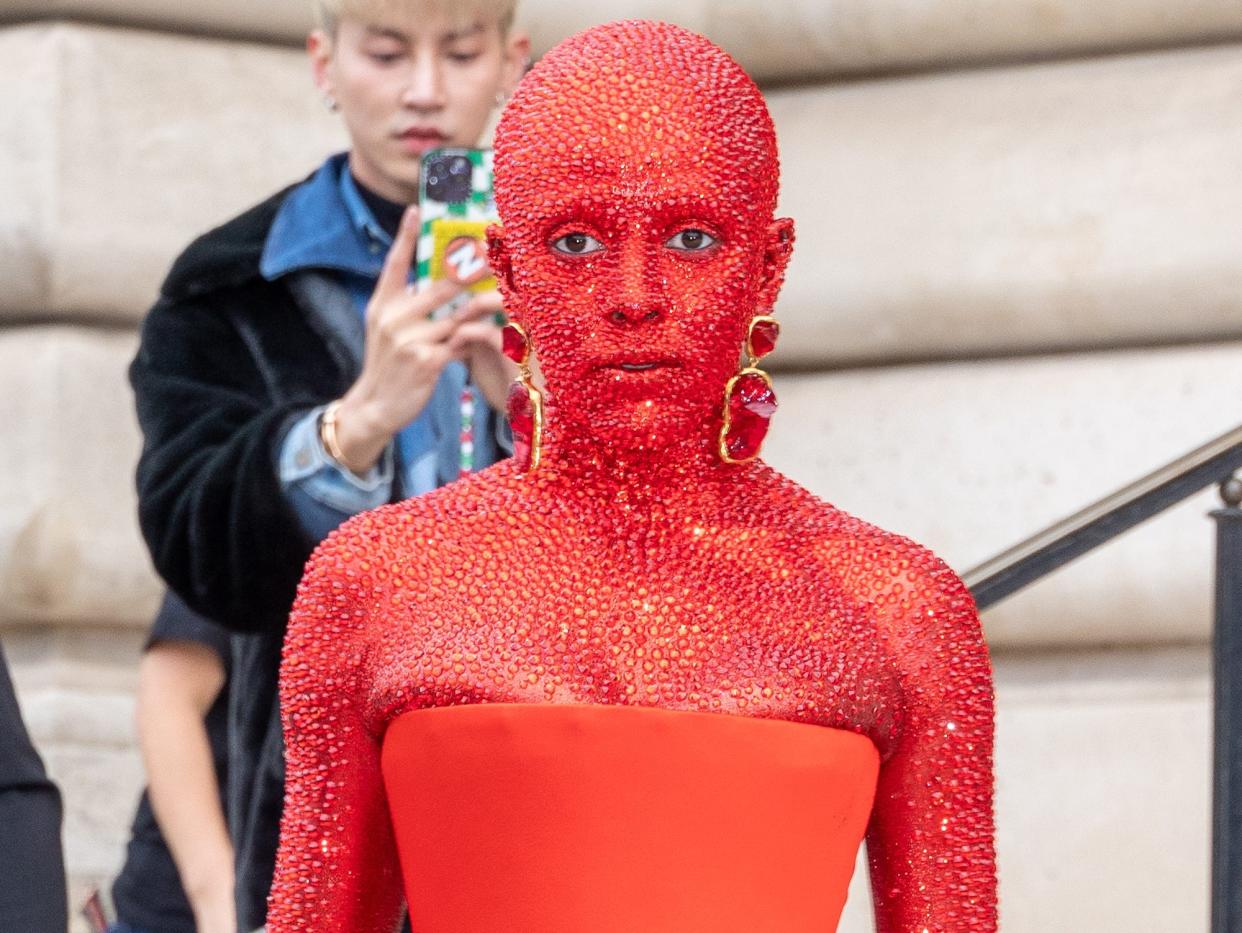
[{"x": 455, "y": 207}]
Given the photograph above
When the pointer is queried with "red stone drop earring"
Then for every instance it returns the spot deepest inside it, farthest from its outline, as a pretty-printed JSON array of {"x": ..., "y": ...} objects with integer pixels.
[
  {"x": 749, "y": 401},
  {"x": 524, "y": 405}
]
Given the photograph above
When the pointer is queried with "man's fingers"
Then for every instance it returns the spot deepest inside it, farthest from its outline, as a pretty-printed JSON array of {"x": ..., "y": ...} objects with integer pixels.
[
  {"x": 396, "y": 271},
  {"x": 475, "y": 332},
  {"x": 438, "y": 331},
  {"x": 485, "y": 304},
  {"x": 413, "y": 310},
  {"x": 430, "y": 296},
  {"x": 435, "y": 356},
  {"x": 426, "y": 333}
]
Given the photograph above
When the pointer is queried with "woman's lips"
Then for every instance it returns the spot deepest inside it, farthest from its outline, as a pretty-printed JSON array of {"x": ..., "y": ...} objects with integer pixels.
[{"x": 638, "y": 366}]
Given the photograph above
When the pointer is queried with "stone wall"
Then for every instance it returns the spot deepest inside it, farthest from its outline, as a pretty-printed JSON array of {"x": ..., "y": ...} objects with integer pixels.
[{"x": 1015, "y": 289}]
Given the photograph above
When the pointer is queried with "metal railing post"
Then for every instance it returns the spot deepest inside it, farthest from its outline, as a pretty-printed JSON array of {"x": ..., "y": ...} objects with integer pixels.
[{"x": 1227, "y": 743}]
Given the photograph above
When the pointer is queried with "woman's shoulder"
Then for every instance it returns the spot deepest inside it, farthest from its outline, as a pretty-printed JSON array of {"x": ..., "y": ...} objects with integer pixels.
[
  {"x": 859, "y": 553},
  {"x": 451, "y": 514},
  {"x": 357, "y": 566}
]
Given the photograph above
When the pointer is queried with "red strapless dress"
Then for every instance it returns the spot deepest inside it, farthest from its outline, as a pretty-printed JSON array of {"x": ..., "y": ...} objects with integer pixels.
[
  {"x": 524, "y": 708},
  {"x": 573, "y": 818}
]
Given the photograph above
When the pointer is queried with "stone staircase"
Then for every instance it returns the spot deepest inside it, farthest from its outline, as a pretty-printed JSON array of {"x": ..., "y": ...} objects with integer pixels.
[{"x": 1016, "y": 287}]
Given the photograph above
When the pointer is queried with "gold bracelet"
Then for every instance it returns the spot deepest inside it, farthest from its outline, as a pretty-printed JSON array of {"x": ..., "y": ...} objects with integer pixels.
[{"x": 327, "y": 434}]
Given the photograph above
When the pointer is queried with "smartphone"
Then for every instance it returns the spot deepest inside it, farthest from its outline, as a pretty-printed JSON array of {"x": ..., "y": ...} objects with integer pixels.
[{"x": 455, "y": 204}]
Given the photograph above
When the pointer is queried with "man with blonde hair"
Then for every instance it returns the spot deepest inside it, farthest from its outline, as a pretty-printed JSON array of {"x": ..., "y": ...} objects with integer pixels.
[{"x": 279, "y": 394}]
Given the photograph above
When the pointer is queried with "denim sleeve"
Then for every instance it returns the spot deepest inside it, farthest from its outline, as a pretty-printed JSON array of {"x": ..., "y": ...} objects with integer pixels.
[
  {"x": 322, "y": 492},
  {"x": 502, "y": 432}
]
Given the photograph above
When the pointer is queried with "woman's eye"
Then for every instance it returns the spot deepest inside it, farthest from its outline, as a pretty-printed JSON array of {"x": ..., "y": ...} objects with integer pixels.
[
  {"x": 691, "y": 241},
  {"x": 463, "y": 58},
  {"x": 385, "y": 58},
  {"x": 577, "y": 244}
]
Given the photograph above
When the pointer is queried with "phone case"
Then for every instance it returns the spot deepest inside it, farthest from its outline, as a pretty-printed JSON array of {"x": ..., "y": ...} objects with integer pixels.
[{"x": 455, "y": 205}]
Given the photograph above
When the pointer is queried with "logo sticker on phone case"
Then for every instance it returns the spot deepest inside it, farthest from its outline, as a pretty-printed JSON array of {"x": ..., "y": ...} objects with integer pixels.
[{"x": 459, "y": 253}]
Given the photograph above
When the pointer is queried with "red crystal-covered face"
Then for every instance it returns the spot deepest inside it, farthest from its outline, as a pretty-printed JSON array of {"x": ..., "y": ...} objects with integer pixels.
[{"x": 636, "y": 180}]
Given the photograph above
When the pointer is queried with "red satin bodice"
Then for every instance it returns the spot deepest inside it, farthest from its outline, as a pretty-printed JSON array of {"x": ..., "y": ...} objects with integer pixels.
[{"x": 547, "y": 818}]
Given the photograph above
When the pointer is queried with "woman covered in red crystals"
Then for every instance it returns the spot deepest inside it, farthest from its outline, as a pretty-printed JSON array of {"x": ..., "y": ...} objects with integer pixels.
[{"x": 633, "y": 679}]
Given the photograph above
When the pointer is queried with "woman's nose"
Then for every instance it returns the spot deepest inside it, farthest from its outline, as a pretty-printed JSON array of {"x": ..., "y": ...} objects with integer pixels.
[
  {"x": 639, "y": 298},
  {"x": 630, "y": 314}
]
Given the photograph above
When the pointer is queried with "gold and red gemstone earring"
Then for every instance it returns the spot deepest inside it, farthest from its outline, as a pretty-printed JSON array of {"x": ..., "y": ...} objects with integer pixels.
[
  {"x": 749, "y": 401},
  {"x": 524, "y": 404}
]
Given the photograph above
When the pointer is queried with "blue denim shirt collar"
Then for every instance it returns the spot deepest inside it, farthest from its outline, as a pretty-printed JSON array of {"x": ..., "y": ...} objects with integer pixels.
[{"x": 325, "y": 224}]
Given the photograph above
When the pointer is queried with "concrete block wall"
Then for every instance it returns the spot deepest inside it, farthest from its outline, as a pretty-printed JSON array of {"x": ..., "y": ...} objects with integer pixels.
[
  {"x": 1015, "y": 289},
  {"x": 119, "y": 146}
]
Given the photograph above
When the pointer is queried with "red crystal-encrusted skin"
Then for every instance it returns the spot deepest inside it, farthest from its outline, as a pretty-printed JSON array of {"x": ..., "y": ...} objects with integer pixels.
[
  {"x": 752, "y": 403},
  {"x": 513, "y": 344},
  {"x": 521, "y": 413},
  {"x": 763, "y": 335},
  {"x": 633, "y": 566}
]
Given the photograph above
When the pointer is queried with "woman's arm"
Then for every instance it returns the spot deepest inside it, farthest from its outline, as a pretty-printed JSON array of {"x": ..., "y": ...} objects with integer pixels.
[
  {"x": 177, "y": 685},
  {"x": 930, "y": 842},
  {"x": 337, "y": 868}
]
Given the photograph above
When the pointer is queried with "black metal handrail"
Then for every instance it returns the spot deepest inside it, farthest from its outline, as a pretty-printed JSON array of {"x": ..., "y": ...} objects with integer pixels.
[
  {"x": 1100, "y": 522},
  {"x": 1039, "y": 555}
]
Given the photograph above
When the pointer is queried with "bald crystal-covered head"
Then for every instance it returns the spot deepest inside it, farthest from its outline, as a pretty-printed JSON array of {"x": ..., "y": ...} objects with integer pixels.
[{"x": 636, "y": 179}]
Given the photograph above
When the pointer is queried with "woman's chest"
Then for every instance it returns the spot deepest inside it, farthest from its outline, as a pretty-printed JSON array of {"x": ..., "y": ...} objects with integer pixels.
[{"x": 766, "y": 640}]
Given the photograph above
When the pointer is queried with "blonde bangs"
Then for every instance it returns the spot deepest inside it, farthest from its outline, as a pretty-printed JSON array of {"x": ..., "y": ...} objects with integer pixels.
[{"x": 330, "y": 12}]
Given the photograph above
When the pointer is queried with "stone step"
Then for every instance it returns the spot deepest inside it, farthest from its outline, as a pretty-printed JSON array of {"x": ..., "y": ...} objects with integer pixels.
[
  {"x": 1103, "y": 770},
  {"x": 796, "y": 40},
  {"x": 1068, "y": 205},
  {"x": 971, "y": 458},
  {"x": 70, "y": 549},
  {"x": 968, "y": 458},
  {"x": 106, "y": 182},
  {"x": 1103, "y": 777},
  {"x": 999, "y": 211}
]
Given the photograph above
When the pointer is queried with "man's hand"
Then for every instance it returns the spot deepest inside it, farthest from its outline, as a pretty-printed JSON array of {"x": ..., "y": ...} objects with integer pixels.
[
  {"x": 405, "y": 353},
  {"x": 477, "y": 342}
]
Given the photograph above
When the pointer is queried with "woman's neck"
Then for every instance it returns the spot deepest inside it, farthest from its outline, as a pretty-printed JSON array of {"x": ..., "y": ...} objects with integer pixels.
[{"x": 681, "y": 472}]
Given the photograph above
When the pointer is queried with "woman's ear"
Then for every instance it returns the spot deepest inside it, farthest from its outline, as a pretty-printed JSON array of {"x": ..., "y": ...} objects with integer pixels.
[
  {"x": 778, "y": 247},
  {"x": 501, "y": 264}
]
